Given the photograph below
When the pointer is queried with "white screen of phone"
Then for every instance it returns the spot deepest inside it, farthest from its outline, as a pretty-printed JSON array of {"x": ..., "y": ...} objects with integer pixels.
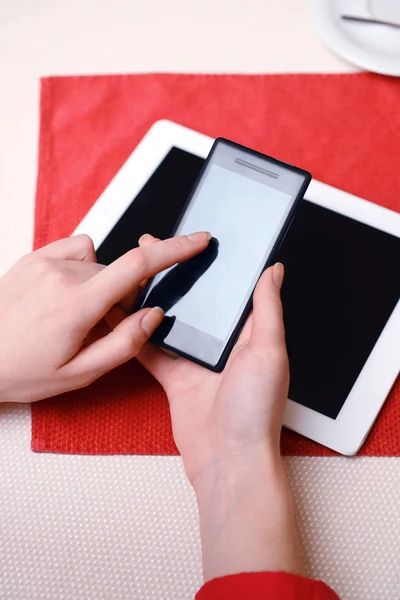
[{"x": 244, "y": 216}]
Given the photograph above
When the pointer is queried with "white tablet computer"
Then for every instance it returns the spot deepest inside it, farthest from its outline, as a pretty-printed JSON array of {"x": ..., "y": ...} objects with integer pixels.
[{"x": 341, "y": 292}]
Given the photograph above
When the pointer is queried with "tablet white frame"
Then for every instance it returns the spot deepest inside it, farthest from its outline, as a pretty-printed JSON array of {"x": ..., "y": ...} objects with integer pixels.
[{"x": 347, "y": 432}]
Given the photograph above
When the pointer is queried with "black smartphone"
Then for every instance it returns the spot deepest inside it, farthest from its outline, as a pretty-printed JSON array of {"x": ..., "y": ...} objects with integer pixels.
[{"x": 247, "y": 201}]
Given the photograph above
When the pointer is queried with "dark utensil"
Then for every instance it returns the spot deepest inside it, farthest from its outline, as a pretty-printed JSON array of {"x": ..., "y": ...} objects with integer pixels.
[{"x": 371, "y": 21}]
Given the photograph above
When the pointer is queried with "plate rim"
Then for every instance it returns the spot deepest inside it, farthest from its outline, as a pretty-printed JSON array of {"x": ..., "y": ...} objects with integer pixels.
[{"x": 332, "y": 37}]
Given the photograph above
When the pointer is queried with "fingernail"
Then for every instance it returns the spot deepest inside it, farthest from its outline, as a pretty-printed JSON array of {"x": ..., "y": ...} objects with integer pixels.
[
  {"x": 200, "y": 237},
  {"x": 144, "y": 236},
  {"x": 278, "y": 274},
  {"x": 151, "y": 320}
]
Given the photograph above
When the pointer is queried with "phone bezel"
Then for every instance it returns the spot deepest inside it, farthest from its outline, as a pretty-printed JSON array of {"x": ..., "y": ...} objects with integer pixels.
[{"x": 230, "y": 342}]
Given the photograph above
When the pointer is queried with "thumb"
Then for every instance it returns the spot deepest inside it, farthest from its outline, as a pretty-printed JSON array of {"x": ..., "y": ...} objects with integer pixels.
[
  {"x": 114, "y": 349},
  {"x": 268, "y": 331}
]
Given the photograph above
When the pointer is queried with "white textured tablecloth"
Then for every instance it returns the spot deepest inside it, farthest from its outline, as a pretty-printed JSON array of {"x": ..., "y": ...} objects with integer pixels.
[{"x": 106, "y": 528}]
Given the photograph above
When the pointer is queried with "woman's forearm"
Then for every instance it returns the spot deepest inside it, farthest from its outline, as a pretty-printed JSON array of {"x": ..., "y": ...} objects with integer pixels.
[{"x": 246, "y": 517}]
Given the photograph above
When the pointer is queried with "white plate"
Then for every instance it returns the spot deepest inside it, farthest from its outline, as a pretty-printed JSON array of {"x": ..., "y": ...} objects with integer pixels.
[{"x": 370, "y": 46}]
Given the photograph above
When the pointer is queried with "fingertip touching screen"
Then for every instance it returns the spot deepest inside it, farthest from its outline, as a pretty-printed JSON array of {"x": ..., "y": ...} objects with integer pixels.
[{"x": 244, "y": 200}]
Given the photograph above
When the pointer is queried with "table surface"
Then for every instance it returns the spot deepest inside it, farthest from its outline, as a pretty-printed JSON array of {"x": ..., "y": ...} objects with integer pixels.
[{"x": 125, "y": 526}]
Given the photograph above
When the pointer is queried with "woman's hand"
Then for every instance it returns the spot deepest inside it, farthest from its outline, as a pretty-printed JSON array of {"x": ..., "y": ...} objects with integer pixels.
[
  {"x": 62, "y": 317},
  {"x": 227, "y": 427},
  {"x": 223, "y": 416}
]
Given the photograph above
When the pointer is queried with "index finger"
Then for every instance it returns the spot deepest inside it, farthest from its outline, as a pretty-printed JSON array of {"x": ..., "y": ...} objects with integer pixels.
[{"x": 124, "y": 275}]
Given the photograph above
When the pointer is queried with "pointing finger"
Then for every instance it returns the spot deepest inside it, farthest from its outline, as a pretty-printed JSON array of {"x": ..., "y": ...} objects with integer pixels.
[{"x": 124, "y": 276}]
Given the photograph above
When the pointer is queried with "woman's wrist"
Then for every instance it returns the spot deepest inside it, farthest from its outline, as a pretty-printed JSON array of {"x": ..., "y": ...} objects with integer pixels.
[
  {"x": 232, "y": 469},
  {"x": 246, "y": 515}
]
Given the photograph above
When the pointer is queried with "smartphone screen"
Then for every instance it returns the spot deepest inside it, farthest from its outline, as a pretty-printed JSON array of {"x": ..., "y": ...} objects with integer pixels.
[{"x": 246, "y": 200}]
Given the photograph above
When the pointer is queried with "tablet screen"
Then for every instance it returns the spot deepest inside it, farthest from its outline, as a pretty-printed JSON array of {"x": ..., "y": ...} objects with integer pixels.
[{"x": 340, "y": 288}]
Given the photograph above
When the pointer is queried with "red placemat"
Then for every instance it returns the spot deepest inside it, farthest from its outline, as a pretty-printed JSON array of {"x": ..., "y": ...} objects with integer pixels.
[{"x": 343, "y": 128}]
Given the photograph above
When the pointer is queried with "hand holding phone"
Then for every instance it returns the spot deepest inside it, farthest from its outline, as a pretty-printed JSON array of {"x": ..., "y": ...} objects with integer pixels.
[
  {"x": 247, "y": 201},
  {"x": 227, "y": 429}
]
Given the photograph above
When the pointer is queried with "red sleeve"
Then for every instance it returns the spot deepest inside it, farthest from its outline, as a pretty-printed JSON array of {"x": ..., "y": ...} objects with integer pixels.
[{"x": 265, "y": 586}]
